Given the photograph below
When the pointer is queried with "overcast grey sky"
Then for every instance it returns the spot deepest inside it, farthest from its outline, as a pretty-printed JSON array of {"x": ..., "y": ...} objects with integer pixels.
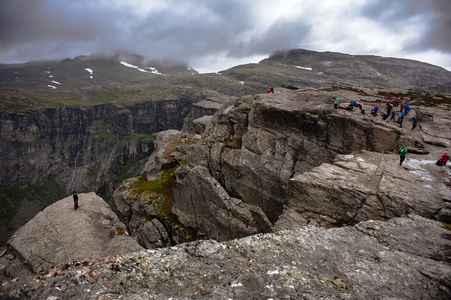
[{"x": 212, "y": 35}]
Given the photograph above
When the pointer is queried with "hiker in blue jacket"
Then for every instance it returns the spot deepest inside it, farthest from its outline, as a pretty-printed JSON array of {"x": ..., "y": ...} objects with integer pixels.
[
  {"x": 393, "y": 114},
  {"x": 414, "y": 123},
  {"x": 406, "y": 109}
]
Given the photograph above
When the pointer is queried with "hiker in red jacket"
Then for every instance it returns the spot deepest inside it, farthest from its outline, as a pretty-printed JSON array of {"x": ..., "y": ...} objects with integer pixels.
[{"x": 444, "y": 159}]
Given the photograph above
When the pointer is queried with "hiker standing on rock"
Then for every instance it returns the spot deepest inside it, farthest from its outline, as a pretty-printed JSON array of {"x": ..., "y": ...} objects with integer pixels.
[
  {"x": 393, "y": 114},
  {"x": 402, "y": 154},
  {"x": 406, "y": 109},
  {"x": 414, "y": 123},
  {"x": 444, "y": 159},
  {"x": 389, "y": 108},
  {"x": 336, "y": 103},
  {"x": 75, "y": 200},
  {"x": 400, "y": 119}
]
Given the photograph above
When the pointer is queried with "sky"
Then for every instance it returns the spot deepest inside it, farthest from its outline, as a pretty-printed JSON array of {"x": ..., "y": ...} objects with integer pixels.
[{"x": 214, "y": 35}]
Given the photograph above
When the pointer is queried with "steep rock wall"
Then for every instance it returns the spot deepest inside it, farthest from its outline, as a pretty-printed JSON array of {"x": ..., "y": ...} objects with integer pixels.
[
  {"x": 262, "y": 149},
  {"x": 86, "y": 148}
]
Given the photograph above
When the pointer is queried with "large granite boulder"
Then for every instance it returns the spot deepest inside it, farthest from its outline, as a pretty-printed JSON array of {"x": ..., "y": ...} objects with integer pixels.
[
  {"x": 279, "y": 161},
  {"x": 404, "y": 258},
  {"x": 202, "y": 203},
  {"x": 286, "y": 154},
  {"x": 59, "y": 234},
  {"x": 364, "y": 186}
]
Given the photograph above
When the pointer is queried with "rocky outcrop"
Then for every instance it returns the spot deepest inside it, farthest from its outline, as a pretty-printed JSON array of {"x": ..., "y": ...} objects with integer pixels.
[
  {"x": 59, "y": 234},
  {"x": 144, "y": 203},
  {"x": 276, "y": 153},
  {"x": 355, "y": 188},
  {"x": 86, "y": 148},
  {"x": 205, "y": 104},
  {"x": 279, "y": 161},
  {"x": 404, "y": 258}
]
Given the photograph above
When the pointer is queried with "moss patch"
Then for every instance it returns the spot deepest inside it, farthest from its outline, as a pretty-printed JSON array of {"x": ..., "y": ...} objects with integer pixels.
[{"x": 159, "y": 192}]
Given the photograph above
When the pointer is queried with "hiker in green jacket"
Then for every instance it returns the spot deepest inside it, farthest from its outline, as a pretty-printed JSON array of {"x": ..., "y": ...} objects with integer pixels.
[
  {"x": 402, "y": 154},
  {"x": 336, "y": 103}
]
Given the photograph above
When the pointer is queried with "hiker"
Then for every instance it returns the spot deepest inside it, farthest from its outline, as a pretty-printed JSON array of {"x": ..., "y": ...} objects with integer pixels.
[
  {"x": 336, "y": 103},
  {"x": 414, "y": 123},
  {"x": 401, "y": 106},
  {"x": 358, "y": 105},
  {"x": 389, "y": 108},
  {"x": 406, "y": 109},
  {"x": 443, "y": 160},
  {"x": 402, "y": 154},
  {"x": 376, "y": 109},
  {"x": 400, "y": 119},
  {"x": 75, "y": 200},
  {"x": 271, "y": 90},
  {"x": 393, "y": 113}
]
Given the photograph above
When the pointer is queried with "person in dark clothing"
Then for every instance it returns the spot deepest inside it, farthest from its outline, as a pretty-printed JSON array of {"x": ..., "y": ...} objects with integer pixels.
[
  {"x": 400, "y": 119},
  {"x": 75, "y": 200},
  {"x": 389, "y": 108},
  {"x": 414, "y": 123}
]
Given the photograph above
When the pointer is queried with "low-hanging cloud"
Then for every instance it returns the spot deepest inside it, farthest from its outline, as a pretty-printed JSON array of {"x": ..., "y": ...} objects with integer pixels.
[{"x": 187, "y": 30}]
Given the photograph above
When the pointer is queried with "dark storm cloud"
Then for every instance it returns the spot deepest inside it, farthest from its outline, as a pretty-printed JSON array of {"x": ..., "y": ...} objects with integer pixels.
[
  {"x": 182, "y": 30},
  {"x": 43, "y": 28},
  {"x": 440, "y": 34},
  {"x": 434, "y": 14},
  {"x": 190, "y": 30},
  {"x": 204, "y": 28}
]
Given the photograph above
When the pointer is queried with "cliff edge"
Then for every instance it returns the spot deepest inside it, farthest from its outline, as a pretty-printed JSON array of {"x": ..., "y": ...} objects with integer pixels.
[
  {"x": 60, "y": 234},
  {"x": 404, "y": 258}
]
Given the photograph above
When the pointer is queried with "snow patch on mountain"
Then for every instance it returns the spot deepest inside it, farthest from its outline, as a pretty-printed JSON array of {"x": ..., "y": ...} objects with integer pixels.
[
  {"x": 303, "y": 68},
  {"x": 152, "y": 70},
  {"x": 90, "y": 72}
]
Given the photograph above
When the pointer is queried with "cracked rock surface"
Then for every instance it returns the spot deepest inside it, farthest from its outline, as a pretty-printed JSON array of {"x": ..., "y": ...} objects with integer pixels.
[
  {"x": 404, "y": 258},
  {"x": 60, "y": 234}
]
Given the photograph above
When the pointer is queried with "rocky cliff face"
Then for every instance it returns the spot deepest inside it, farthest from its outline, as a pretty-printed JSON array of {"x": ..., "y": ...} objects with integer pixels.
[
  {"x": 277, "y": 161},
  {"x": 51, "y": 152},
  {"x": 271, "y": 158}
]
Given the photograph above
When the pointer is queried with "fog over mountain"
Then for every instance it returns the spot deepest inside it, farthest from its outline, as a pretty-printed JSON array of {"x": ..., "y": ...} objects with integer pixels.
[{"x": 215, "y": 35}]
